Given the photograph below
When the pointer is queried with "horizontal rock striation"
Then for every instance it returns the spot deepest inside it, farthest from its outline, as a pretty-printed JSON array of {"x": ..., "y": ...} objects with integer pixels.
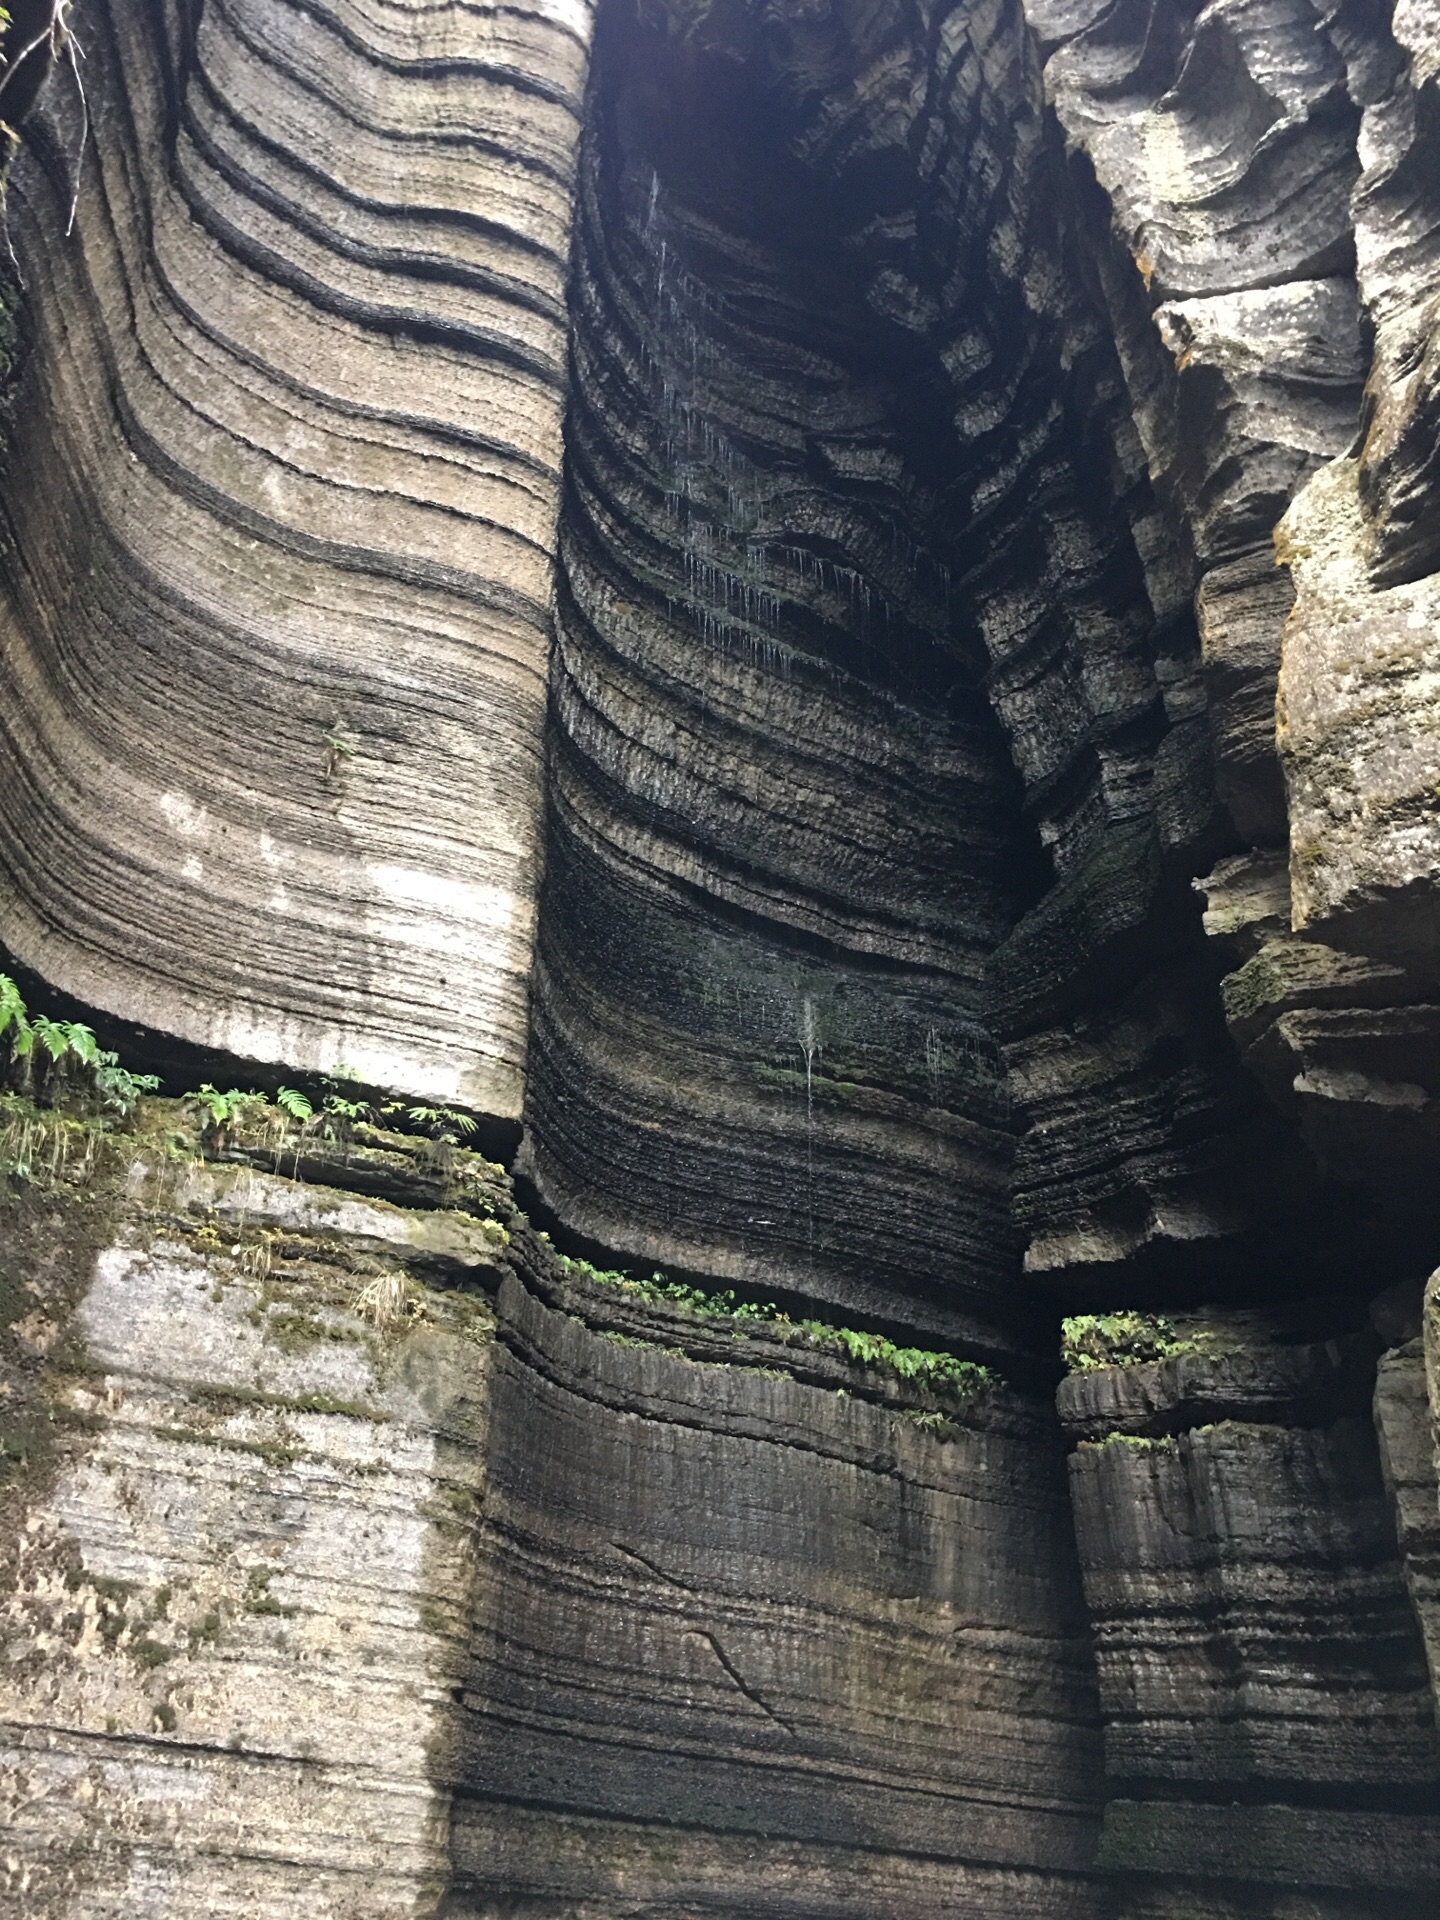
[
  {"x": 314, "y": 1610},
  {"x": 730, "y": 1618},
  {"x": 978, "y": 881},
  {"x": 1269, "y": 1722},
  {"x": 778, "y": 843},
  {"x": 869, "y": 639},
  {"x": 237, "y": 1584},
  {"x": 279, "y": 529},
  {"x": 1269, "y": 171},
  {"x": 1211, "y": 155},
  {"x": 1405, "y": 1423}
]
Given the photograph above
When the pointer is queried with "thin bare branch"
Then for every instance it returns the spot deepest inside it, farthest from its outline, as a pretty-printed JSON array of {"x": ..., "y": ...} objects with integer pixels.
[{"x": 73, "y": 48}]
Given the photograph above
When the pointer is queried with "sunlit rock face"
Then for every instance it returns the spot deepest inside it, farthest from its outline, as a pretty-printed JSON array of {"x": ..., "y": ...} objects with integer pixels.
[{"x": 278, "y": 562}]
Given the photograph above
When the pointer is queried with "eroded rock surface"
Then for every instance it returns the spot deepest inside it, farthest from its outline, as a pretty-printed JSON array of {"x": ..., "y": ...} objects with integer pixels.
[
  {"x": 275, "y": 604},
  {"x": 240, "y": 1603},
  {"x": 1255, "y": 1641},
  {"x": 987, "y": 806},
  {"x": 309, "y": 1615}
]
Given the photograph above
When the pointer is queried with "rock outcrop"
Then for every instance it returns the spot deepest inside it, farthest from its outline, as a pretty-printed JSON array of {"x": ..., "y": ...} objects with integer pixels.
[
  {"x": 836, "y": 607},
  {"x": 1256, "y": 1646},
  {"x": 310, "y": 1614},
  {"x": 288, "y": 449}
]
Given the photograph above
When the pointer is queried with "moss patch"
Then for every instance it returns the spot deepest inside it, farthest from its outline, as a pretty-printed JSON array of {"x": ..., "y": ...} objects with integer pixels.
[{"x": 929, "y": 1368}]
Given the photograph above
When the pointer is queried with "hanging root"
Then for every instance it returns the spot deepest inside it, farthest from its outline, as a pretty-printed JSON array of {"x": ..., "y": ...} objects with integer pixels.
[
  {"x": 54, "y": 33},
  {"x": 46, "y": 1148}
]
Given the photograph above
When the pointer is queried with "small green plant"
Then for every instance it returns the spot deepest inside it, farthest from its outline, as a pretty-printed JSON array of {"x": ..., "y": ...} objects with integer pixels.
[
  {"x": 436, "y": 1121},
  {"x": 118, "y": 1088},
  {"x": 443, "y": 1128},
  {"x": 222, "y": 1114},
  {"x": 16, "y": 1033},
  {"x": 294, "y": 1105},
  {"x": 931, "y": 1369},
  {"x": 337, "y": 751},
  {"x": 71, "y": 1059},
  {"x": 1089, "y": 1341},
  {"x": 935, "y": 1424},
  {"x": 927, "y": 1367},
  {"x": 339, "y": 1117},
  {"x": 35, "y": 1037}
]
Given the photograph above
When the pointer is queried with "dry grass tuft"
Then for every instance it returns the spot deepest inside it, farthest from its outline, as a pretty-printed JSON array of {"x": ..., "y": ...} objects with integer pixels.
[{"x": 386, "y": 1300}]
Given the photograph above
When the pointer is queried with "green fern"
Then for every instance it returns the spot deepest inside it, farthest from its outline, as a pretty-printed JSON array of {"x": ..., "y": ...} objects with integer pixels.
[
  {"x": 83, "y": 1044},
  {"x": 53, "y": 1036},
  {"x": 14, "y": 1020},
  {"x": 294, "y": 1105},
  {"x": 1089, "y": 1341},
  {"x": 439, "y": 1120},
  {"x": 220, "y": 1113}
]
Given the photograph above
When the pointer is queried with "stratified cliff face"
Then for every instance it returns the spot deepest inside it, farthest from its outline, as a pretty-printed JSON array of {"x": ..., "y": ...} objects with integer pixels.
[
  {"x": 977, "y": 490},
  {"x": 287, "y": 450},
  {"x": 1272, "y": 173},
  {"x": 783, "y": 830},
  {"x": 523, "y": 1592}
]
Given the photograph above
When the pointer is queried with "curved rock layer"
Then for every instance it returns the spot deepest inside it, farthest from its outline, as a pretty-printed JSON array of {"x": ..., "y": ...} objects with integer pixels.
[
  {"x": 778, "y": 845},
  {"x": 938, "y": 377},
  {"x": 280, "y": 525},
  {"x": 1271, "y": 172},
  {"x": 868, "y": 634}
]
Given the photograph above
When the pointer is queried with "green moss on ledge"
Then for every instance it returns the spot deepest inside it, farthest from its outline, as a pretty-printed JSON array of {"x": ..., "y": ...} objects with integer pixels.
[{"x": 931, "y": 1369}]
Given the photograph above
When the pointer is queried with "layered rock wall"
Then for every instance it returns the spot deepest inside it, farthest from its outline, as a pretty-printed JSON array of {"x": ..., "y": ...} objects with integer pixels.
[
  {"x": 280, "y": 520},
  {"x": 879, "y": 759},
  {"x": 1256, "y": 1645},
  {"x": 238, "y": 1577},
  {"x": 310, "y": 1614},
  {"x": 939, "y": 378},
  {"x": 778, "y": 844}
]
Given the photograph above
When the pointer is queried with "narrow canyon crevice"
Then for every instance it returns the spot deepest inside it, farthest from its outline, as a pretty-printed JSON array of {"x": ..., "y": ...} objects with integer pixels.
[{"x": 827, "y": 612}]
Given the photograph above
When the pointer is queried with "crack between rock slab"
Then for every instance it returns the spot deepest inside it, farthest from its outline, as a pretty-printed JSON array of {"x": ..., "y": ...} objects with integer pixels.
[
  {"x": 650, "y": 1567},
  {"x": 530, "y": 1354},
  {"x": 702, "y": 1633},
  {"x": 1088, "y": 1813}
]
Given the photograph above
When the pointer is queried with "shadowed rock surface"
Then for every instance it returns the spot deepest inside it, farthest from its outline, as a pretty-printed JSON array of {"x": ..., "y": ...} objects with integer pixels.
[
  {"x": 970, "y": 858},
  {"x": 489, "y": 1589}
]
